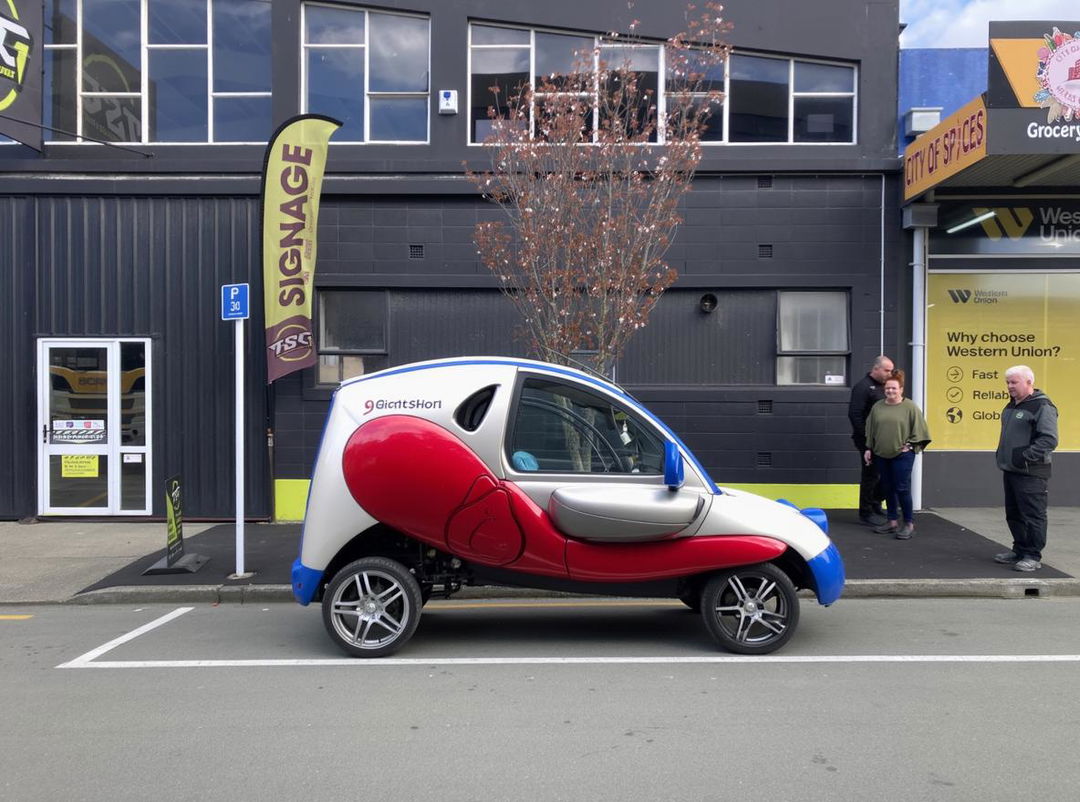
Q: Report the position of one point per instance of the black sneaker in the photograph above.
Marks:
(1007, 558)
(905, 532)
(1027, 564)
(872, 519)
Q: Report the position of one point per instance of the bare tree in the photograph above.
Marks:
(589, 168)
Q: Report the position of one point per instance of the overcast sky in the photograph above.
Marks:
(962, 23)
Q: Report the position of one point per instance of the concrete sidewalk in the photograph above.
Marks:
(53, 561)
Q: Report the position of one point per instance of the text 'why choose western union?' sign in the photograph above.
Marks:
(979, 325)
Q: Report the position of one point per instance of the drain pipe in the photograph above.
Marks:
(881, 277)
(917, 390)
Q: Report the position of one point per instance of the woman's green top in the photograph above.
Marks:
(889, 426)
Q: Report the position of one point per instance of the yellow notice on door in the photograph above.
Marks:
(79, 466)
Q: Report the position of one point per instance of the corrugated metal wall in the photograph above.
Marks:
(17, 410)
(145, 267)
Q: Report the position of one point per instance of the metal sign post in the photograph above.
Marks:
(234, 306)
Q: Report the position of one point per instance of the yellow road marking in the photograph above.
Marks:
(14, 617)
(538, 605)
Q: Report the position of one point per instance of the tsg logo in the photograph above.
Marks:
(960, 296)
(15, 44)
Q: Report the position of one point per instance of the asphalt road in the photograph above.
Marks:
(873, 699)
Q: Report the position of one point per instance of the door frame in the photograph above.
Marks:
(114, 448)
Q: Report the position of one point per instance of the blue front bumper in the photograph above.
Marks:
(828, 572)
(305, 582)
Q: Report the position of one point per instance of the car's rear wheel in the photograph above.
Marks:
(752, 609)
(372, 606)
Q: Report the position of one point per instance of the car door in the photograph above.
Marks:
(595, 463)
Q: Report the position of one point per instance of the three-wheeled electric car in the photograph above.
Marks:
(500, 471)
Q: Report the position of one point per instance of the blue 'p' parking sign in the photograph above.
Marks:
(234, 302)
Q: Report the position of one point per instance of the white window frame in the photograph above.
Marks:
(600, 43)
(792, 94)
(367, 12)
(144, 88)
(781, 352)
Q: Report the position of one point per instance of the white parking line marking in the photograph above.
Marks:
(82, 660)
(87, 661)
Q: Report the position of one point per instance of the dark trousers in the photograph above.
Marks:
(870, 492)
(1025, 512)
(896, 482)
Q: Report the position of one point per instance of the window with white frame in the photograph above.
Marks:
(369, 69)
(352, 333)
(693, 85)
(768, 99)
(503, 60)
(812, 337)
(144, 71)
(790, 101)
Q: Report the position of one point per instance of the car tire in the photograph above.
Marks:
(752, 609)
(372, 606)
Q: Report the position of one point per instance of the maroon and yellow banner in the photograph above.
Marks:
(292, 181)
(957, 142)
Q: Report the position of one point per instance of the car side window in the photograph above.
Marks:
(561, 428)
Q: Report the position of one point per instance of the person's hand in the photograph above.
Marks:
(867, 456)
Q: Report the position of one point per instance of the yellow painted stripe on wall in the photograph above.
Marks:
(290, 499)
(15, 617)
(290, 496)
(835, 497)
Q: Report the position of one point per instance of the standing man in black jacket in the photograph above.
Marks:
(1029, 432)
(868, 391)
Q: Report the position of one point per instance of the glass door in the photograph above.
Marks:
(94, 420)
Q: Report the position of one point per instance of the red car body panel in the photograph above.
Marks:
(420, 479)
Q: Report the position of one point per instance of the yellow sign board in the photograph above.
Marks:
(954, 144)
(980, 324)
(79, 466)
(1016, 58)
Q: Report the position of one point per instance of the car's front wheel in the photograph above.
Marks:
(372, 606)
(752, 609)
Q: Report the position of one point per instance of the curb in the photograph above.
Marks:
(960, 588)
(853, 589)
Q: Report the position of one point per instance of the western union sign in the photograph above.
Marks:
(979, 325)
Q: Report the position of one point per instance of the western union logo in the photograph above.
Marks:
(960, 296)
(1012, 223)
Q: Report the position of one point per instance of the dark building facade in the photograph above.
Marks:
(113, 255)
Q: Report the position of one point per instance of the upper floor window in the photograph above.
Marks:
(767, 99)
(145, 71)
(370, 70)
(503, 60)
(790, 101)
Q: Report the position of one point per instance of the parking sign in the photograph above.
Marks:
(234, 302)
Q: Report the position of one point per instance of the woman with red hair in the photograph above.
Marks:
(895, 432)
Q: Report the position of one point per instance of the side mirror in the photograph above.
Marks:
(673, 466)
